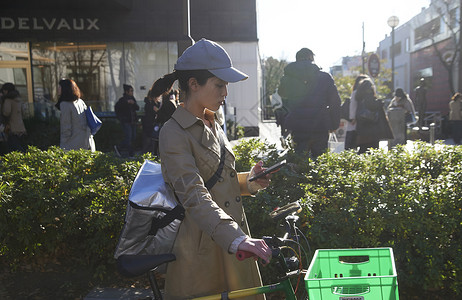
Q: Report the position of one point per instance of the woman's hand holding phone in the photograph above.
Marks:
(259, 169)
(255, 185)
(259, 177)
(264, 172)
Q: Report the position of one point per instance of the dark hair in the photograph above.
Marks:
(366, 89)
(164, 84)
(69, 91)
(127, 88)
(400, 93)
(304, 54)
(161, 86)
(165, 97)
(358, 79)
(9, 87)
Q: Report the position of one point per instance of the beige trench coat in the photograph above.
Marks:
(12, 109)
(190, 155)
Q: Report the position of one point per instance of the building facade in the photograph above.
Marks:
(107, 43)
(421, 45)
(402, 54)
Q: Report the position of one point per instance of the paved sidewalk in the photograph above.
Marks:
(119, 294)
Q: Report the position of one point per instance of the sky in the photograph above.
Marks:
(332, 29)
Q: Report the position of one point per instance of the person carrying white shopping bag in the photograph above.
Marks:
(334, 144)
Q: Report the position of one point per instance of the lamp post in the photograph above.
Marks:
(186, 40)
(393, 21)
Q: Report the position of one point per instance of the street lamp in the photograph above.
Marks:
(393, 21)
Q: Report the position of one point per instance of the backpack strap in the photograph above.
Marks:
(179, 212)
(176, 213)
(215, 177)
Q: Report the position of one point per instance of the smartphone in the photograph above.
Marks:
(271, 169)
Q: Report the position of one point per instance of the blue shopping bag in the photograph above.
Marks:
(92, 120)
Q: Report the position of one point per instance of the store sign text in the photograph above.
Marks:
(48, 23)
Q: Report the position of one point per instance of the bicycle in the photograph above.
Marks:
(289, 267)
(348, 272)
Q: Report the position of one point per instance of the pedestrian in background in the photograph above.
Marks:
(74, 131)
(455, 117)
(350, 137)
(421, 101)
(167, 108)
(14, 128)
(175, 97)
(402, 101)
(372, 124)
(313, 104)
(151, 107)
(125, 110)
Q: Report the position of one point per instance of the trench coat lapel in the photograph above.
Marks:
(208, 139)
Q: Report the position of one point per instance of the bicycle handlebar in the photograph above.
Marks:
(241, 255)
(277, 244)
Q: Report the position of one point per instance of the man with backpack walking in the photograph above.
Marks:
(313, 102)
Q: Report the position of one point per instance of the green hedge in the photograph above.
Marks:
(410, 201)
(68, 205)
(61, 205)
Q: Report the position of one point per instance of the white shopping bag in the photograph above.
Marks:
(334, 144)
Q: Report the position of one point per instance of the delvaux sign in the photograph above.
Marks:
(91, 24)
(373, 64)
(32, 23)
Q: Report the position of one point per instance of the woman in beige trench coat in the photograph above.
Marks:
(215, 226)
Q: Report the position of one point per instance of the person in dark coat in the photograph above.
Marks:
(313, 102)
(455, 117)
(160, 110)
(167, 108)
(125, 110)
(151, 107)
(421, 101)
(372, 124)
(350, 137)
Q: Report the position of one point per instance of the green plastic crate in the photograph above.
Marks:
(352, 274)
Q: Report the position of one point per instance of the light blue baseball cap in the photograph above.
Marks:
(208, 55)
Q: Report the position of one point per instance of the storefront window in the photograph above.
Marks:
(14, 64)
(99, 69)
(14, 52)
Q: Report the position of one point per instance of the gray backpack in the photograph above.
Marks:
(153, 215)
